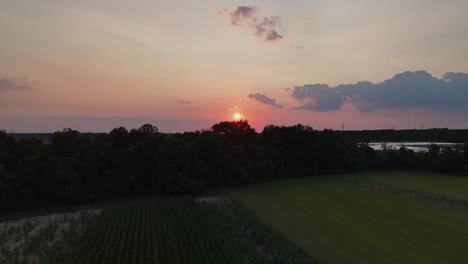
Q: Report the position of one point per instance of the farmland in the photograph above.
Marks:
(451, 186)
(184, 230)
(44, 239)
(324, 219)
(338, 221)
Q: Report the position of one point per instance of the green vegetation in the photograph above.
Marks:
(338, 221)
(74, 167)
(332, 219)
(409, 135)
(184, 230)
(373, 217)
(450, 186)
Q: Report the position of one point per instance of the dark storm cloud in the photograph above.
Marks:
(183, 102)
(12, 84)
(407, 90)
(261, 98)
(246, 16)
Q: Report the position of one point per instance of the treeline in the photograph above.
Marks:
(76, 167)
(382, 135)
(408, 135)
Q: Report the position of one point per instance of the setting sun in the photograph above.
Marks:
(237, 116)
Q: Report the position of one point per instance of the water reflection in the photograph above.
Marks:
(415, 146)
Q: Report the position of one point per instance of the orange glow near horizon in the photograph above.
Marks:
(237, 116)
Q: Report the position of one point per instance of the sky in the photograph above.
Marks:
(186, 65)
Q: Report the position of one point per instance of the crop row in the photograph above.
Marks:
(185, 230)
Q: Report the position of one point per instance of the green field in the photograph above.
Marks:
(326, 219)
(337, 221)
(184, 230)
(451, 186)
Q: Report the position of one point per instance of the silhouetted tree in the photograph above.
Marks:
(78, 167)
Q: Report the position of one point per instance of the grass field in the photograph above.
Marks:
(185, 230)
(451, 186)
(337, 221)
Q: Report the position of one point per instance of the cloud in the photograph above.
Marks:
(261, 98)
(273, 35)
(247, 17)
(223, 11)
(296, 47)
(317, 97)
(12, 84)
(407, 90)
(121, 38)
(243, 15)
(183, 102)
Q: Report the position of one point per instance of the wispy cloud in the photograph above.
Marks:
(183, 102)
(7, 84)
(262, 27)
(407, 90)
(263, 99)
(120, 37)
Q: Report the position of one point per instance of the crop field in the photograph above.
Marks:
(185, 230)
(373, 217)
(338, 221)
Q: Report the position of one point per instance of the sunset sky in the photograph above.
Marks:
(185, 65)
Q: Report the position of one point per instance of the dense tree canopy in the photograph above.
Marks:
(74, 167)
(408, 135)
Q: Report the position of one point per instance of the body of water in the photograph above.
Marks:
(415, 146)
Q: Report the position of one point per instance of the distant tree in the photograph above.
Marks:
(119, 137)
(69, 142)
(449, 160)
(7, 143)
(233, 129)
(180, 170)
(146, 132)
(465, 151)
(79, 167)
(148, 129)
